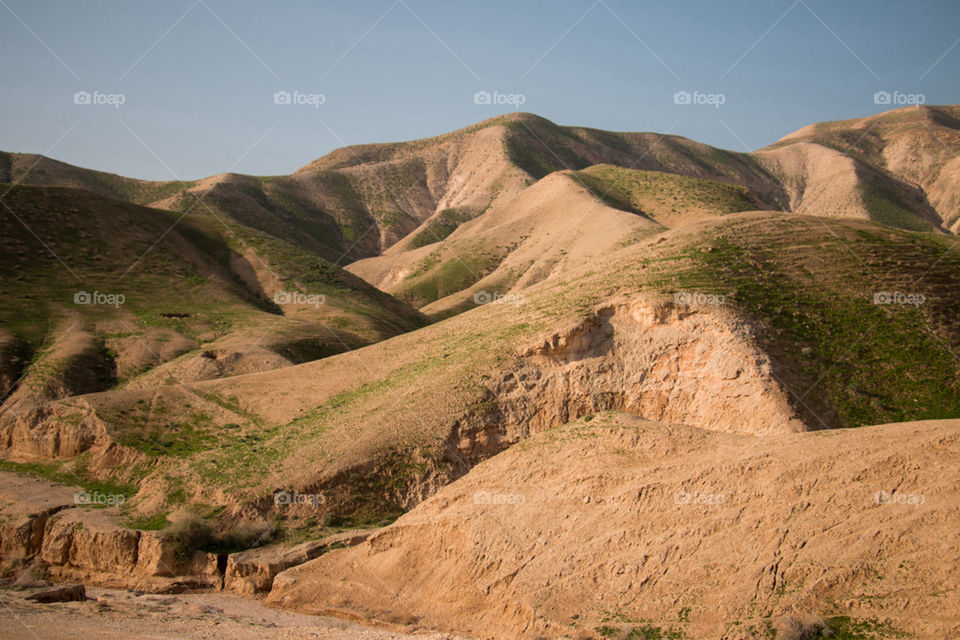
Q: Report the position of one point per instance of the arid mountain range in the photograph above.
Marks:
(518, 380)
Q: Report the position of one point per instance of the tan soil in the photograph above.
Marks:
(112, 614)
(598, 531)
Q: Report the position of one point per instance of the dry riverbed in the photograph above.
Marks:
(110, 614)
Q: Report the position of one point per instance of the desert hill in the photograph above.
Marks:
(826, 170)
(617, 527)
(618, 316)
(906, 159)
(123, 295)
(359, 201)
(732, 324)
(383, 203)
(559, 223)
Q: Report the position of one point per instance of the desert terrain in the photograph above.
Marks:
(519, 380)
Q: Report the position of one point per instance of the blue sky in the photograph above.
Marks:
(197, 78)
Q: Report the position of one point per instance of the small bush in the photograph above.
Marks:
(189, 532)
(804, 627)
(246, 534)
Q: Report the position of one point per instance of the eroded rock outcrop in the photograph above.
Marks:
(90, 547)
(252, 572)
(72, 543)
(690, 364)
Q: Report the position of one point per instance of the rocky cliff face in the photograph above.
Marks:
(651, 358)
(43, 531)
(44, 526)
(90, 547)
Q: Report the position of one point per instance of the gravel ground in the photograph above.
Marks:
(114, 614)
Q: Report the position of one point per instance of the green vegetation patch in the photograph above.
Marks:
(153, 522)
(845, 360)
(653, 192)
(845, 628)
(886, 206)
(190, 434)
(441, 226)
(73, 473)
(455, 274)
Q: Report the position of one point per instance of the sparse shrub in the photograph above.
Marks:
(153, 522)
(246, 534)
(187, 533)
(333, 519)
(651, 632)
(845, 628)
(800, 627)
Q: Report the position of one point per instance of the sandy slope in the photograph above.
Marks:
(897, 168)
(543, 232)
(820, 180)
(626, 520)
(916, 146)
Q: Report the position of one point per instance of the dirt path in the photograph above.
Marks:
(115, 614)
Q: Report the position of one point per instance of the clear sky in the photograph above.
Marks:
(197, 78)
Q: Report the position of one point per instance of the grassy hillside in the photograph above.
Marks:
(910, 153)
(663, 195)
(161, 286)
(28, 168)
(834, 348)
(376, 429)
(539, 147)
